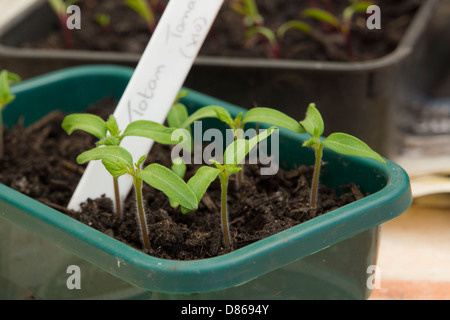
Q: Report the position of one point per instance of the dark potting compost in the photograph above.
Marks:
(128, 32)
(40, 162)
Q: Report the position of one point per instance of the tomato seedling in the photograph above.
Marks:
(233, 156)
(340, 142)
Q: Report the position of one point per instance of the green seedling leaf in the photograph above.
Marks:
(223, 115)
(109, 141)
(312, 121)
(200, 182)
(217, 164)
(177, 115)
(104, 20)
(209, 112)
(165, 180)
(179, 167)
(352, 146)
(293, 24)
(205, 112)
(356, 7)
(361, 6)
(183, 93)
(143, 9)
(141, 161)
(6, 79)
(238, 150)
(323, 16)
(152, 130)
(109, 153)
(10, 77)
(116, 160)
(58, 6)
(112, 127)
(274, 117)
(86, 122)
(263, 31)
(249, 10)
(116, 168)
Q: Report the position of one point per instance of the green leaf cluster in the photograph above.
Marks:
(108, 131)
(340, 142)
(6, 97)
(144, 9)
(262, 115)
(249, 10)
(187, 195)
(343, 25)
(60, 6)
(6, 80)
(254, 23)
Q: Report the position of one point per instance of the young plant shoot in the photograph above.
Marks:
(60, 9)
(342, 26)
(109, 134)
(249, 11)
(6, 79)
(340, 142)
(144, 9)
(255, 115)
(233, 156)
(104, 21)
(254, 25)
(119, 161)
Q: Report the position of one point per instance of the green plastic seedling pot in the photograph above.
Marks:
(328, 257)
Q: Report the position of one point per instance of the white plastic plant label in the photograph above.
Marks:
(153, 86)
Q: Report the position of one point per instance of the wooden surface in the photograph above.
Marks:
(414, 256)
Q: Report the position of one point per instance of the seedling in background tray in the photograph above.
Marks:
(344, 25)
(6, 79)
(254, 24)
(234, 155)
(104, 21)
(249, 10)
(340, 142)
(145, 10)
(60, 9)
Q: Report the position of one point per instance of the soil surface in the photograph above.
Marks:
(127, 32)
(40, 162)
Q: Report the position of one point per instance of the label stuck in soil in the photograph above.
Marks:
(153, 86)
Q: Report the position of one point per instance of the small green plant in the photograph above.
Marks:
(145, 10)
(342, 25)
(104, 21)
(119, 161)
(60, 9)
(254, 24)
(254, 115)
(109, 134)
(340, 142)
(178, 114)
(233, 156)
(6, 79)
(249, 11)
